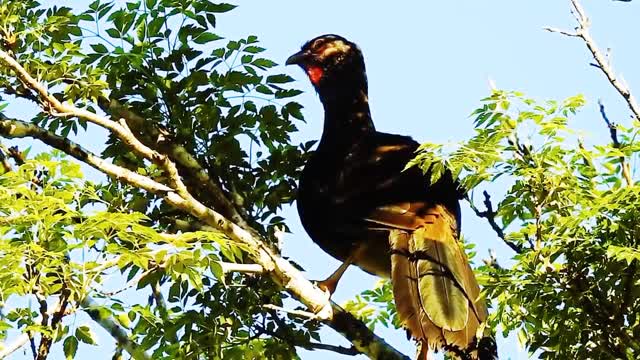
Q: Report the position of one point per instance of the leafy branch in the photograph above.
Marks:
(604, 64)
(176, 194)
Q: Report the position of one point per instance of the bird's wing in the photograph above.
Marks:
(436, 294)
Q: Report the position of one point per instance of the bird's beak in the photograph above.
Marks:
(298, 58)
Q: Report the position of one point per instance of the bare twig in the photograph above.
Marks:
(227, 267)
(161, 305)
(131, 283)
(296, 342)
(14, 346)
(560, 31)
(16, 155)
(352, 351)
(613, 132)
(492, 261)
(582, 31)
(490, 215)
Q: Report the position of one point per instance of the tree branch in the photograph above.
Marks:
(155, 138)
(161, 305)
(4, 158)
(45, 341)
(335, 348)
(308, 345)
(58, 313)
(159, 139)
(55, 107)
(281, 271)
(21, 340)
(228, 267)
(582, 31)
(613, 132)
(16, 155)
(298, 313)
(12, 128)
(114, 329)
(16, 345)
(490, 215)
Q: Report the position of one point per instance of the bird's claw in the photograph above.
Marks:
(328, 286)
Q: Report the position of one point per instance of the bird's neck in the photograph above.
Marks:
(346, 118)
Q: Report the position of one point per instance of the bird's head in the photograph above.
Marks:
(334, 65)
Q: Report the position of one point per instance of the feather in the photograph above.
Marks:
(436, 293)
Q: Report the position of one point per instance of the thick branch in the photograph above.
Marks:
(158, 139)
(228, 267)
(57, 108)
(281, 271)
(12, 128)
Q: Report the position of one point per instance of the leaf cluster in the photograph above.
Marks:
(572, 289)
(217, 100)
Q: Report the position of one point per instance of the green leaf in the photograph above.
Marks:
(263, 63)
(86, 335)
(279, 79)
(114, 33)
(220, 8)
(253, 49)
(70, 347)
(206, 37)
(99, 48)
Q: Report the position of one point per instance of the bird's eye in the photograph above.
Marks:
(318, 44)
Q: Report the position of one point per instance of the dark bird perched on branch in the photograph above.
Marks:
(358, 204)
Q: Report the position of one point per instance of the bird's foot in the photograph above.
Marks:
(328, 285)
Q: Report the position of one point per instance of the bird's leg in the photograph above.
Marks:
(329, 284)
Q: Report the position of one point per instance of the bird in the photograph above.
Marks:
(357, 202)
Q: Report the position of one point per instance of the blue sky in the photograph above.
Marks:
(428, 65)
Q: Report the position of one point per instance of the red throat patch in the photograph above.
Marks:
(315, 74)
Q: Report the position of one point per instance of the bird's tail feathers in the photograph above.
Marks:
(435, 290)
